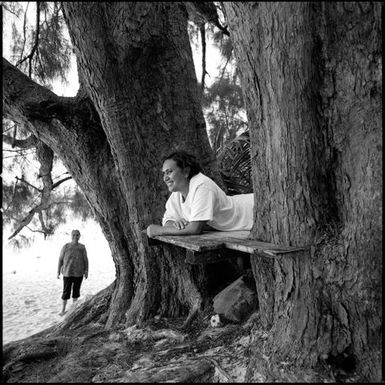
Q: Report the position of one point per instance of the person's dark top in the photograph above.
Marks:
(73, 261)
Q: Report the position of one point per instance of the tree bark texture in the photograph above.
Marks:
(138, 101)
(311, 75)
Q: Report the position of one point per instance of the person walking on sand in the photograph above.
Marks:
(73, 264)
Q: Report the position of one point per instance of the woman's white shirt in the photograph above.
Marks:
(206, 201)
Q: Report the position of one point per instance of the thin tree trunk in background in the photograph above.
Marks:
(312, 87)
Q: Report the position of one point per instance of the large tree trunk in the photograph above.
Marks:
(311, 74)
(139, 100)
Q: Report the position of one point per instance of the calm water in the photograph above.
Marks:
(31, 290)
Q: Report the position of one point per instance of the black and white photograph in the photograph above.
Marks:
(192, 192)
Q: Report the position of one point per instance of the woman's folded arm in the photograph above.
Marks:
(191, 228)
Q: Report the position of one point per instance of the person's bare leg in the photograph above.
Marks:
(74, 300)
(63, 311)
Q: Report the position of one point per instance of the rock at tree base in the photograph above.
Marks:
(236, 301)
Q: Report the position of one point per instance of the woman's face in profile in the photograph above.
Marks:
(174, 176)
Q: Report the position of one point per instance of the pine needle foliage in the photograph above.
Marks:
(39, 47)
(15, 201)
(223, 103)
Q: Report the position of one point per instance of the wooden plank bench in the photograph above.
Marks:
(200, 248)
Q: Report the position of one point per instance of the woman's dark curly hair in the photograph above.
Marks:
(183, 159)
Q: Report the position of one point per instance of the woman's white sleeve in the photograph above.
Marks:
(203, 205)
(171, 213)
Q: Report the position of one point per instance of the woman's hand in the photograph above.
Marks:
(180, 224)
(170, 228)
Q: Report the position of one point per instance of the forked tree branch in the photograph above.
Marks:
(45, 157)
(28, 184)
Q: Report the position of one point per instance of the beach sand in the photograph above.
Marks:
(31, 291)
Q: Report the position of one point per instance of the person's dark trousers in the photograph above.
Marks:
(73, 283)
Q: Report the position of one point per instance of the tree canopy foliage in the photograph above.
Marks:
(40, 49)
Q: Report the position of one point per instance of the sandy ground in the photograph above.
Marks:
(31, 290)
